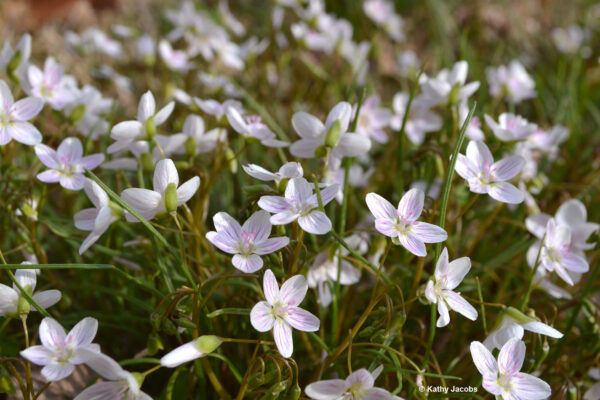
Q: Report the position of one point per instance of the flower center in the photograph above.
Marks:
(504, 381)
(356, 390)
(402, 227)
(278, 310)
(5, 118)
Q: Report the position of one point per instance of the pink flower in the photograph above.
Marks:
(247, 242)
(67, 164)
(300, 204)
(14, 117)
(281, 312)
(486, 176)
(51, 85)
(401, 224)
(359, 385)
(502, 377)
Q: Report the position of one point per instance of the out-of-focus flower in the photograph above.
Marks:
(191, 351)
(316, 137)
(176, 60)
(198, 140)
(408, 63)
(511, 127)
(58, 352)
(252, 127)
(96, 219)
(513, 324)
(401, 224)
(14, 62)
(247, 242)
(359, 385)
(145, 48)
(502, 378)
(88, 109)
(119, 384)
(448, 86)
(12, 304)
(288, 170)
(548, 141)
(512, 82)
(125, 133)
(324, 272)
(230, 20)
(473, 131)
(216, 109)
(372, 119)
(300, 204)
(569, 40)
(14, 117)
(486, 176)
(51, 85)
(440, 290)
(66, 164)
(382, 13)
(420, 120)
(280, 311)
(94, 40)
(166, 196)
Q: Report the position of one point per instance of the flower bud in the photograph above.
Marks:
(147, 162)
(29, 211)
(171, 198)
(77, 113)
(333, 134)
(518, 316)
(154, 344)
(321, 151)
(23, 306)
(295, 392)
(150, 127)
(208, 343)
(190, 146)
(454, 95)
(185, 323)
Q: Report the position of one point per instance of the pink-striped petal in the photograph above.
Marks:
(39, 355)
(360, 378)
(247, 264)
(223, 242)
(27, 108)
(261, 318)
(298, 191)
(52, 334)
(460, 305)
(511, 357)
(92, 161)
(293, 290)
(70, 150)
(165, 173)
(283, 218)
(258, 226)
(413, 244)
(428, 233)
(331, 389)
(316, 223)
(282, 333)
(484, 360)
(507, 168)
(274, 204)
(411, 204)
(270, 287)
(506, 193)
(387, 227)
(56, 372)
(271, 245)
(380, 207)
(465, 168)
(84, 332)
(72, 182)
(526, 386)
(302, 320)
(227, 226)
(49, 176)
(24, 132)
(479, 154)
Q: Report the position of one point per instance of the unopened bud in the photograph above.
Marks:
(321, 151)
(171, 197)
(154, 344)
(208, 343)
(518, 316)
(23, 306)
(150, 127)
(333, 134)
(77, 113)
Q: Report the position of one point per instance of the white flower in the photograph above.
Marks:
(569, 40)
(359, 385)
(22, 53)
(190, 351)
(119, 384)
(166, 196)
(198, 140)
(300, 204)
(324, 272)
(125, 133)
(96, 219)
(252, 127)
(51, 85)
(314, 133)
(503, 377)
(449, 86)
(14, 117)
(67, 164)
(513, 324)
(440, 289)
(94, 106)
(486, 176)
(382, 13)
(247, 242)
(511, 127)
(280, 311)
(512, 82)
(176, 60)
(58, 352)
(10, 297)
(216, 109)
(421, 119)
(288, 170)
(473, 131)
(372, 119)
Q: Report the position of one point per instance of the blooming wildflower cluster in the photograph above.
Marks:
(193, 235)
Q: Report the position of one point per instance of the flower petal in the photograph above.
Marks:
(528, 386)
(511, 357)
(52, 334)
(352, 145)
(413, 244)
(483, 359)
(342, 112)
(141, 200)
(271, 245)
(24, 132)
(165, 173)
(258, 226)
(274, 204)
(270, 287)
(380, 207)
(39, 355)
(542, 329)
(187, 190)
(92, 161)
(460, 305)
(293, 290)
(47, 298)
(56, 372)
(181, 355)
(261, 317)
(316, 223)
(146, 107)
(428, 233)
(49, 176)
(506, 193)
(298, 191)
(282, 333)
(330, 389)
(507, 168)
(223, 242)
(164, 113)
(307, 125)
(411, 204)
(301, 319)
(84, 332)
(247, 264)
(70, 150)
(360, 378)
(465, 168)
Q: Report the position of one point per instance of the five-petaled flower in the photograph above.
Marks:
(280, 311)
(58, 352)
(66, 164)
(486, 176)
(300, 204)
(14, 117)
(247, 242)
(13, 304)
(401, 224)
(503, 377)
(166, 196)
(440, 289)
